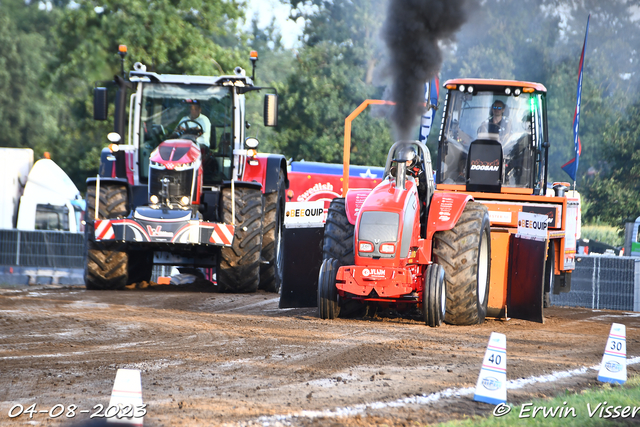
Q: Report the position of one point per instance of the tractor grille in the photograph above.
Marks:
(180, 183)
(377, 228)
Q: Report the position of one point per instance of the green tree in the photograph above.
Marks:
(26, 111)
(615, 188)
(541, 41)
(332, 75)
(272, 68)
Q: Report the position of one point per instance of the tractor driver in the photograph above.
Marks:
(195, 115)
(497, 122)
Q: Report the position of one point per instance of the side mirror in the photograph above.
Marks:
(271, 110)
(100, 108)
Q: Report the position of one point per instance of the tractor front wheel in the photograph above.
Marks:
(107, 263)
(465, 254)
(434, 297)
(328, 307)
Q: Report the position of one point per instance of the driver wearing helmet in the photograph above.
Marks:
(187, 122)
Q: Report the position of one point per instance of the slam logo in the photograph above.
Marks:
(613, 366)
(373, 272)
(479, 165)
(491, 383)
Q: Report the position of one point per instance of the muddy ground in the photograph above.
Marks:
(225, 359)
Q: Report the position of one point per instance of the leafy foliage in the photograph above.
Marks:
(616, 187)
(50, 59)
(329, 79)
(26, 112)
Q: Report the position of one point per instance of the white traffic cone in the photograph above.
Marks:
(492, 382)
(613, 368)
(127, 396)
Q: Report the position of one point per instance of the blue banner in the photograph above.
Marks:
(571, 167)
(431, 91)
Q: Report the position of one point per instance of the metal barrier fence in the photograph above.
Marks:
(55, 249)
(603, 282)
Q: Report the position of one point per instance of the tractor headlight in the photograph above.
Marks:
(184, 201)
(251, 142)
(387, 248)
(154, 199)
(365, 247)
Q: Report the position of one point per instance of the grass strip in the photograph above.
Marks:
(605, 405)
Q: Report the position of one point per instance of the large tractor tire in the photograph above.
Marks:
(107, 263)
(271, 271)
(328, 307)
(465, 254)
(434, 296)
(239, 265)
(338, 234)
(338, 244)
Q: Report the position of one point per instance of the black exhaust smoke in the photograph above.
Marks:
(412, 32)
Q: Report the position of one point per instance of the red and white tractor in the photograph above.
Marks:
(182, 188)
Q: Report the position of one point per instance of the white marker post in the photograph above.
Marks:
(492, 382)
(127, 395)
(613, 368)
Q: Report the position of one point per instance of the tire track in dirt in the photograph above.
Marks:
(217, 359)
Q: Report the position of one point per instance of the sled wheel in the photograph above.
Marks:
(328, 307)
(465, 254)
(434, 297)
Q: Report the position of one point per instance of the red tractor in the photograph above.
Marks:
(185, 185)
(401, 227)
(491, 239)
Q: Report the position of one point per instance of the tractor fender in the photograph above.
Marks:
(137, 195)
(243, 184)
(354, 200)
(106, 181)
(445, 210)
(265, 169)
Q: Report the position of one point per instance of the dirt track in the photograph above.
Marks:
(212, 359)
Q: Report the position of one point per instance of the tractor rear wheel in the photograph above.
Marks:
(465, 254)
(107, 263)
(434, 297)
(339, 244)
(239, 265)
(338, 234)
(271, 272)
(328, 307)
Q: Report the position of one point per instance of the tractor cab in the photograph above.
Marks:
(492, 137)
(200, 114)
